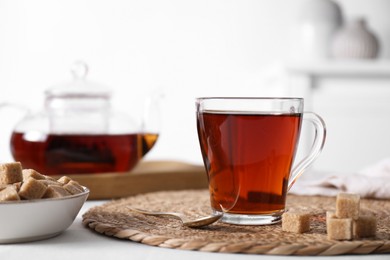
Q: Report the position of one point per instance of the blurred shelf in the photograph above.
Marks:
(352, 68)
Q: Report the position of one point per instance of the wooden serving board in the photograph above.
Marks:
(148, 176)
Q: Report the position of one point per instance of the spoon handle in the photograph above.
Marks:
(157, 213)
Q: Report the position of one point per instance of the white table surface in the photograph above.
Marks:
(79, 242)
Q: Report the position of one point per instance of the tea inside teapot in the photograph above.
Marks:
(80, 153)
(78, 132)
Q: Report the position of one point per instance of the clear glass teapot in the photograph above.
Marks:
(78, 133)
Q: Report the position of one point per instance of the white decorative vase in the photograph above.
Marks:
(313, 30)
(355, 41)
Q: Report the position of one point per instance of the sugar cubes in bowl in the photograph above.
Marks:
(34, 206)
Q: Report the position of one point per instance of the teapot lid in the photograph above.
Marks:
(79, 86)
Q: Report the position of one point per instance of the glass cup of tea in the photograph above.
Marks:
(248, 147)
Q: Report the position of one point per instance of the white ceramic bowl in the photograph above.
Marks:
(30, 220)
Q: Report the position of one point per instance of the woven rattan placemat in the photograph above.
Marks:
(113, 219)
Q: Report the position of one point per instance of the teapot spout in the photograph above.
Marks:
(151, 120)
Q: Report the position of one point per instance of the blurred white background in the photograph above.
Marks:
(184, 48)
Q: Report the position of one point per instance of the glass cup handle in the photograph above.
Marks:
(317, 146)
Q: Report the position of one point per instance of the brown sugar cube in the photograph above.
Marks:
(75, 183)
(64, 180)
(73, 187)
(11, 173)
(297, 222)
(364, 226)
(339, 228)
(347, 205)
(50, 178)
(9, 194)
(330, 215)
(32, 189)
(50, 182)
(55, 191)
(17, 186)
(27, 173)
(3, 186)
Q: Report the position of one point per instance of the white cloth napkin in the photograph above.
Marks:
(371, 182)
